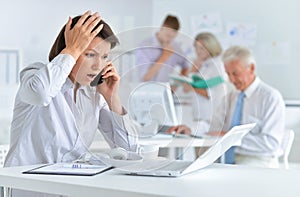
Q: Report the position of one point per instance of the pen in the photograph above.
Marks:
(174, 134)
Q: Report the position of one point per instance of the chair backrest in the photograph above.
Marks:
(286, 144)
(3, 152)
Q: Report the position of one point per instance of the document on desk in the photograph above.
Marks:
(79, 169)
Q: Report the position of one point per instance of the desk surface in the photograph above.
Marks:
(165, 141)
(215, 180)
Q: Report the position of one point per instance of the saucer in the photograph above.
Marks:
(133, 158)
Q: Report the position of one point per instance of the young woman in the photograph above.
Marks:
(208, 66)
(57, 112)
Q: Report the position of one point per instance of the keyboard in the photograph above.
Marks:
(152, 165)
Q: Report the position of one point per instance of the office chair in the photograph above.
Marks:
(286, 145)
(3, 151)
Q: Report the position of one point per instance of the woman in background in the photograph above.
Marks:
(57, 112)
(207, 66)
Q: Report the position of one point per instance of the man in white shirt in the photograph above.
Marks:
(262, 104)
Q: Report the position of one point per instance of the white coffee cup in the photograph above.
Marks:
(148, 151)
(118, 153)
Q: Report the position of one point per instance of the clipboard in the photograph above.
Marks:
(77, 169)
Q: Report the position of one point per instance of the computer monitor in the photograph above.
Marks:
(151, 105)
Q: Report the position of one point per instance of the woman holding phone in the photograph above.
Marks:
(57, 112)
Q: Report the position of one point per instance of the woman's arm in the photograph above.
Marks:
(202, 92)
(39, 83)
(118, 131)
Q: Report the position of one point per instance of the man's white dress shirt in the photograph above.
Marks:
(263, 105)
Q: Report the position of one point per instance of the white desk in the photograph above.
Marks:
(165, 141)
(216, 180)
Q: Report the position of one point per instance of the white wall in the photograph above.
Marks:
(277, 21)
(33, 25)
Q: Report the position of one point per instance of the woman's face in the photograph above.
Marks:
(202, 53)
(91, 62)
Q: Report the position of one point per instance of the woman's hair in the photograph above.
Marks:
(106, 34)
(210, 43)
(239, 53)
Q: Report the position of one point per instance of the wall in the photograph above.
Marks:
(33, 25)
(276, 22)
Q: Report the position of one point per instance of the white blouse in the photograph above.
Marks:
(203, 107)
(49, 127)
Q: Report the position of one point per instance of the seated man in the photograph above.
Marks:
(252, 101)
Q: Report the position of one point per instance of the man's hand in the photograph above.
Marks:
(180, 129)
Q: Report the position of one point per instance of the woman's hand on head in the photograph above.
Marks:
(79, 37)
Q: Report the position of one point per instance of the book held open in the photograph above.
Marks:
(198, 82)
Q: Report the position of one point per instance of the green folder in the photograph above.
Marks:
(198, 82)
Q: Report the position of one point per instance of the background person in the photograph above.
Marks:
(262, 104)
(157, 57)
(207, 65)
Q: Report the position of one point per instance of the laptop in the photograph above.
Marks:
(175, 168)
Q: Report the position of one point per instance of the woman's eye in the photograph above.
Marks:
(106, 57)
(90, 55)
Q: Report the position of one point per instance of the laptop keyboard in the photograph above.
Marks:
(175, 166)
(150, 165)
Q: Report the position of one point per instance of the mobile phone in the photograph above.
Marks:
(98, 80)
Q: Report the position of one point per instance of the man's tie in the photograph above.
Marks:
(236, 120)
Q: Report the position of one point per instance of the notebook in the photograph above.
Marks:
(175, 168)
(79, 169)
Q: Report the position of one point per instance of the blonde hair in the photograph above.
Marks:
(210, 43)
(239, 53)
